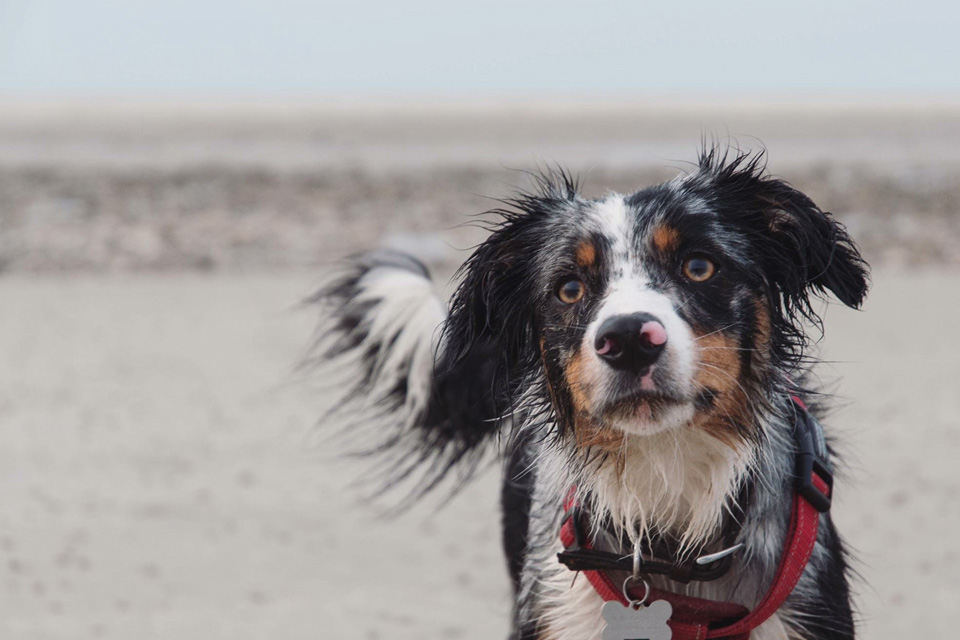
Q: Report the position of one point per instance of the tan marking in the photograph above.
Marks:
(588, 433)
(761, 357)
(720, 360)
(763, 322)
(573, 373)
(586, 254)
(591, 435)
(719, 370)
(666, 239)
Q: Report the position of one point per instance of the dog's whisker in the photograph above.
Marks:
(720, 330)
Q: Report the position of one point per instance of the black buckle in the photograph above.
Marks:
(809, 462)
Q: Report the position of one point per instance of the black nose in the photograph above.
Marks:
(631, 342)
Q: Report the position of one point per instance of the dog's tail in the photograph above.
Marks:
(420, 413)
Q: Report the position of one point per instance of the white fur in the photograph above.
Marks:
(629, 292)
(407, 317)
(613, 221)
(678, 481)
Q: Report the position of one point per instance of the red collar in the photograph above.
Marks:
(698, 619)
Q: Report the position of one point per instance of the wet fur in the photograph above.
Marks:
(506, 359)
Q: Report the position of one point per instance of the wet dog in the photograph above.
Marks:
(639, 355)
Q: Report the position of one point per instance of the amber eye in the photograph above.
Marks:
(699, 268)
(571, 291)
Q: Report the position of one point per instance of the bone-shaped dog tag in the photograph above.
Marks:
(645, 623)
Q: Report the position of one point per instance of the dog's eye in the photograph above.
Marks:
(571, 291)
(699, 268)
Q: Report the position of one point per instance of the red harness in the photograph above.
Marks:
(698, 619)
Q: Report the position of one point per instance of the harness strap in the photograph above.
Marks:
(700, 619)
(800, 541)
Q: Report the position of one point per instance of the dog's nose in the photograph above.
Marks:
(631, 342)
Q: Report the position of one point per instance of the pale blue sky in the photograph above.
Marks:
(495, 46)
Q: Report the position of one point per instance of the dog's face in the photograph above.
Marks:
(650, 313)
(669, 308)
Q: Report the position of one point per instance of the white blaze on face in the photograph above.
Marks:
(628, 292)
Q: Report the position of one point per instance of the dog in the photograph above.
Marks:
(642, 364)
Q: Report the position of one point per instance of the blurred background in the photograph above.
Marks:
(175, 176)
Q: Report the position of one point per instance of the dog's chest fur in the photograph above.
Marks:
(670, 482)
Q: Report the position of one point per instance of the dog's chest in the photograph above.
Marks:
(566, 606)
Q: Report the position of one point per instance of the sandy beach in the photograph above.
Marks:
(162, 472)
(121, 186)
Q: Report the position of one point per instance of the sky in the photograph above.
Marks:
(239, 47)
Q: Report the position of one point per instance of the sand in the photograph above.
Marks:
(161, 473)
(159, 478)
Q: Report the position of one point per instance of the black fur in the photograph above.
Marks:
(449, 432)
(510, 357)
(796, 247)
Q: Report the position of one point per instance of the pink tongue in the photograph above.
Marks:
(654, 333)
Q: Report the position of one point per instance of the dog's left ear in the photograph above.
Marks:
(801, 249)
(808, 250)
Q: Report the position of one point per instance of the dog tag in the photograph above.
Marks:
(646, 623)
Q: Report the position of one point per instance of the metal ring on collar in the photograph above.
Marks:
(636, 604)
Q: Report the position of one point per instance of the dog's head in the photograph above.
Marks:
(674, 307)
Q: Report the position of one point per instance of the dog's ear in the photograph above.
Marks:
(802, 249)
(493, 308)
(809, 250)
(495, 305)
